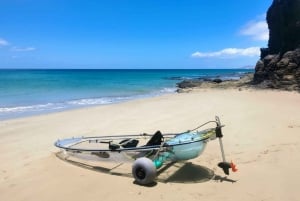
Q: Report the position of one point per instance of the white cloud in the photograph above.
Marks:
(12, 48)
(257, 29)
(25, 49)
(229, 52)
(3, 42)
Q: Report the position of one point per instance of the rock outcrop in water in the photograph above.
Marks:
(243, 82)
(279, 66)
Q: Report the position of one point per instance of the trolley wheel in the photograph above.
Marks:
(144, 171)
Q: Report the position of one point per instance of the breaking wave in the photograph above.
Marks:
(27, 110)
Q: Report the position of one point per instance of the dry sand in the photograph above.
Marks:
(262, 136)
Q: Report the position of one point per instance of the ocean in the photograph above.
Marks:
(32, 92)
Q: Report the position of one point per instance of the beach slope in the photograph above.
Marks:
(261, 136)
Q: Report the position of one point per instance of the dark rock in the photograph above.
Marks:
(279, 65)
(188, 84)
(283, 19)
(260, 73)
(289, 54)
(264, 52)
(245, 81)
(217, 80)
(259, 65)
(272, 63)
(292, 66)
(180, 90)
(283, 63)
(270, 57)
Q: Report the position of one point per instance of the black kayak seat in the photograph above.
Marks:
(129, 143)
(156, 139)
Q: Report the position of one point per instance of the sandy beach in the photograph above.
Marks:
(261, 136)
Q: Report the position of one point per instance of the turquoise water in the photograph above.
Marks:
(30, 92)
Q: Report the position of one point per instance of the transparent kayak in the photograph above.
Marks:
(148, 152)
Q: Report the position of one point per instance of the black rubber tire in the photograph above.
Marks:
(144, 171)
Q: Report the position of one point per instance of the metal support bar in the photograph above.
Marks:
(220, 137)
(222, 149)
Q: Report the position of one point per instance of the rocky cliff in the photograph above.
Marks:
(279, 65)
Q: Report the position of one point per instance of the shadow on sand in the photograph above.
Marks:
(188, 172)
(183, 172)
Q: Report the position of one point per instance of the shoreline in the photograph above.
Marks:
(228, 84)
(113, 101)
(44, 91)
(244, 83)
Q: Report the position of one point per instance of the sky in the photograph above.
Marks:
(138, 34)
